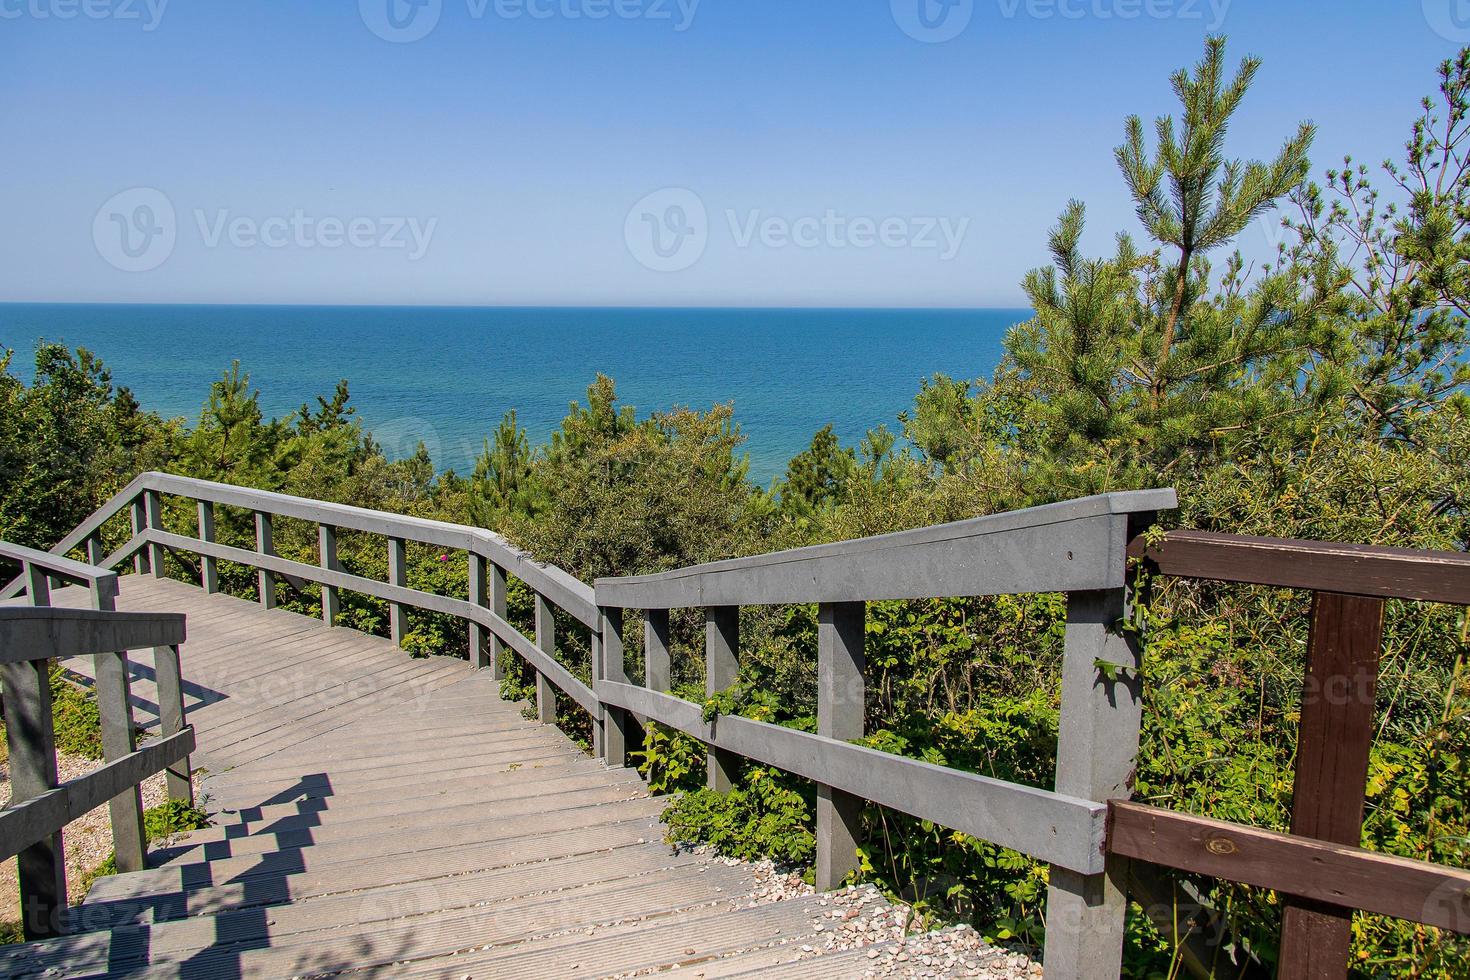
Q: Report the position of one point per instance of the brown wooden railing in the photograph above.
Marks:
(1319, 868)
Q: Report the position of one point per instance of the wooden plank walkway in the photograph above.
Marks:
(393, 817)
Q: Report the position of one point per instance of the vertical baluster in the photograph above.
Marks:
(208, 567)
(38, 584)
(139, 515)
(397, 575)
(32, 746)
(546, 642)
(1096, 752)
(656, 671)
(1336, 736)
(721, 670)
(331, 597)
(265, 544)
(498, 607)
(171, 718)
(479, 635)
(841, 701)
(617, 726)
(95, 555)
(115, 711)
(153, 512)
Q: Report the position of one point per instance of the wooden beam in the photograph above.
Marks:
(841, 703)
(546, 643)
(208, 567)
(38, 633)
(398, 575)
(721, 671)
(657, 673)
(1077, 545)
(1097, 750)
(1350, 569)
(1335, 738)
(265, 544)
(1052, 827)
(170, 684)
(31, 742)
(327, 552)
(1333, 874)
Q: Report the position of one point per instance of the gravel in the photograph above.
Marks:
(858, 917)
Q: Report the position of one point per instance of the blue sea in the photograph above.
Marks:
(445, 376)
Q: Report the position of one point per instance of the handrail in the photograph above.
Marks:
(28, 634)
(568, 593)
(1073, 546)
(102, 580)
(1355, 569)
(489, 553)
(30, 638)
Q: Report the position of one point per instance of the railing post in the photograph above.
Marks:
(656, 673)
(32, 746)
(721, 670)
(95, 554)
(139, 516)
(171, 718)
(498, 607)
(208, 567)
(153, 512)
(546, 642)
(1336, 736)
(265, 544)
(616, 725)
(1096, 753)
(397, 575)
(479, 636)
(115, 712)
(841, 701)
(331, 597)
(38, 585)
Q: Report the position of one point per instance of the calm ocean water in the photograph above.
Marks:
(446, 375)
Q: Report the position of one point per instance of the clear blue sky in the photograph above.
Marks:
(519, 147)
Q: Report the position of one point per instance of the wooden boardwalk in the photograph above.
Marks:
(392, 816)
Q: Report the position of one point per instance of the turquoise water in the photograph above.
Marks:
(446, 375)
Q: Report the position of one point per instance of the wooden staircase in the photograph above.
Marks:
(388, 816)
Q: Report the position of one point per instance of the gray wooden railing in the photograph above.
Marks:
(491, 561)
(1078, 548)
(30, 638)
